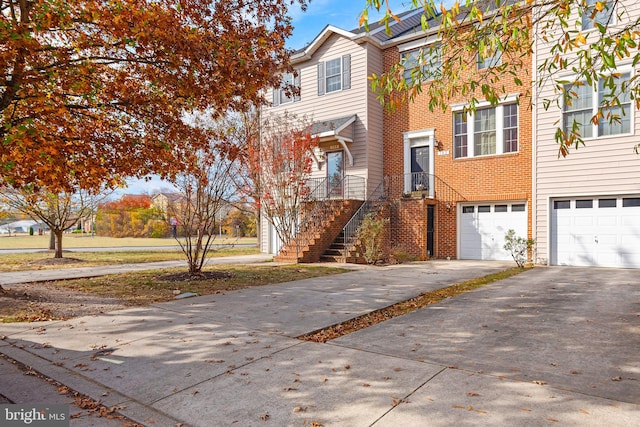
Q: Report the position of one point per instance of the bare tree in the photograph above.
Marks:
(58, 211)
(240, 131)
(205, 194)
(283, 162)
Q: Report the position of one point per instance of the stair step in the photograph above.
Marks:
(329, 258)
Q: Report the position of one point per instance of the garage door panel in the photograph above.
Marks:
(482, 233)
(607, 235)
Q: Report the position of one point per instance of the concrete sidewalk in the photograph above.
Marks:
(549, 345)
(13, 277)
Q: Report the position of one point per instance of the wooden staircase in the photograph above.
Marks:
(317, 234)
(336, 252)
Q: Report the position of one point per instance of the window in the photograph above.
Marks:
(484, 209)
(517, 208)
(290, 83)
(500, 208)
(615, 119)
(491, 60)
(459, 135)
(607, 203)
(562, 204)
(584, 104)
(468, 209)
(485, 132)
(604, 17)
(334, 75)
(422, 64)
(491, 130)
(631, 202)
(510, 129)
(584, 204)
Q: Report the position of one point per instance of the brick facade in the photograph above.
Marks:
(487, 178)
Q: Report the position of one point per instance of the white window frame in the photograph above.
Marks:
(430, 70)
(344, 74)
(608, 17)
(287, 79)
(490, 61)
(327, 76)
(595, 104)
(499, 127)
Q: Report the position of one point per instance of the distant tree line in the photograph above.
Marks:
(131, 216)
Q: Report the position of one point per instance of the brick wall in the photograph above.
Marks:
(487, 178)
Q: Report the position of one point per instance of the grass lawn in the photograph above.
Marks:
(36, 260)
(46, 301)
(70, 240)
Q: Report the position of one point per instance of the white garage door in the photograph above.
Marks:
(483, 227)
(598, 231)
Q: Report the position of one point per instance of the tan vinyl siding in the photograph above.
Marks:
(375, 121)
(605, 166)
(366, 147)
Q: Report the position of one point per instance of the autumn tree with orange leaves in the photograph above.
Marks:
(94, 91)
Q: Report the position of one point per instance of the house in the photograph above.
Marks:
(332, 76)
(460, 180)
(587, 205)
(166, 202)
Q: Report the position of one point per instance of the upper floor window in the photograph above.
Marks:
(490, 60)
(612, 99)
(289, 90)
(491, 130)
(423, 63)
(597, 12)
(334, 75)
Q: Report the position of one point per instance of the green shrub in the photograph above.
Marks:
(371, 237)
(518, 247)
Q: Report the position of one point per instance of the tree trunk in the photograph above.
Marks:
(58, 244)
(52, 240)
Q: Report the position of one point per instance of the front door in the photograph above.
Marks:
(335, 173)
(419, 168)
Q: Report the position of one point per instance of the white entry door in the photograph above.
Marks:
(597, 231)
(484, 225)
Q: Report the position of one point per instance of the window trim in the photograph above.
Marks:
(423, 50)
(612, 18)
(595, 104)
(279, 94)
(458, 109)
(344, 62)
(494, 60)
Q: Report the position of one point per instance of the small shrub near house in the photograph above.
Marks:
(371, 237)
(518, 247)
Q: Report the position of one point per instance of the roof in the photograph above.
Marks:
(332, 126)
(375, 34)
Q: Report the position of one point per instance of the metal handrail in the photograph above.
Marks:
(323, 192)
(370, 204)
(429, 185)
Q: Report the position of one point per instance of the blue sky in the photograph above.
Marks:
(343, 14)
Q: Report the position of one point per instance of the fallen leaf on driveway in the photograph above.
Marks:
(540, 382)
(584, 411)
(264, 417)
(616, 379)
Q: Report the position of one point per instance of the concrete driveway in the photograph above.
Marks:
(551, 345)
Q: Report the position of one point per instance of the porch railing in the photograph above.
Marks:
(323, 192)
(425, 184)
